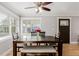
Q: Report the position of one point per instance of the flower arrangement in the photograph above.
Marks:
(37, 30)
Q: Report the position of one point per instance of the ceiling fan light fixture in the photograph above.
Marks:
(40, 6)
(36, 10)
(40, 9)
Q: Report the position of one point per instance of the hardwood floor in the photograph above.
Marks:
(71, 50)
(68, 50)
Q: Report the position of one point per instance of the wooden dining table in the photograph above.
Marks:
(46, 39)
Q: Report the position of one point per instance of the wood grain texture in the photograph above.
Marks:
(71, 50)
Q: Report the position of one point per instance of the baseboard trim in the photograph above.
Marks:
(74, 43)
(8, 51)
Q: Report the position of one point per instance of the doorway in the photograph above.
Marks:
(64, 30)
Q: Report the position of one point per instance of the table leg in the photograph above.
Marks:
(60, 48)
(14, 48)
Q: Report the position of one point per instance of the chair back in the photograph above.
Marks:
(15, 36)
(42, 34)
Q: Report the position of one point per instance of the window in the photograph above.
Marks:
(29, 25)
(13, 25)
(7, 25)
(4, 25)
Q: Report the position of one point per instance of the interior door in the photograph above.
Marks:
(64, 30)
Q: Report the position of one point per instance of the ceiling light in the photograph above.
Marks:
(40, 9)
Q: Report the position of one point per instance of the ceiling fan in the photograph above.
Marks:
(40, 6)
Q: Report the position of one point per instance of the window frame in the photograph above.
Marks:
(10, 26)
(22, 19)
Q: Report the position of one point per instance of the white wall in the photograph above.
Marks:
(75, 29)
(50, 23)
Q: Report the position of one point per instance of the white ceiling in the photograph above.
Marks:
(57, 8)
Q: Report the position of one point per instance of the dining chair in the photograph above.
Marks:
(15, 36)
(41, 34)
(54, 45)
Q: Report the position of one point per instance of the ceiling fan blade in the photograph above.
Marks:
(46, 3)
(47, 9)
(30, 7)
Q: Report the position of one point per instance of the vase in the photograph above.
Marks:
(37, 35)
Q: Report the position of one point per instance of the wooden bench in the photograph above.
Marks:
(40, 50)
(19, 45)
